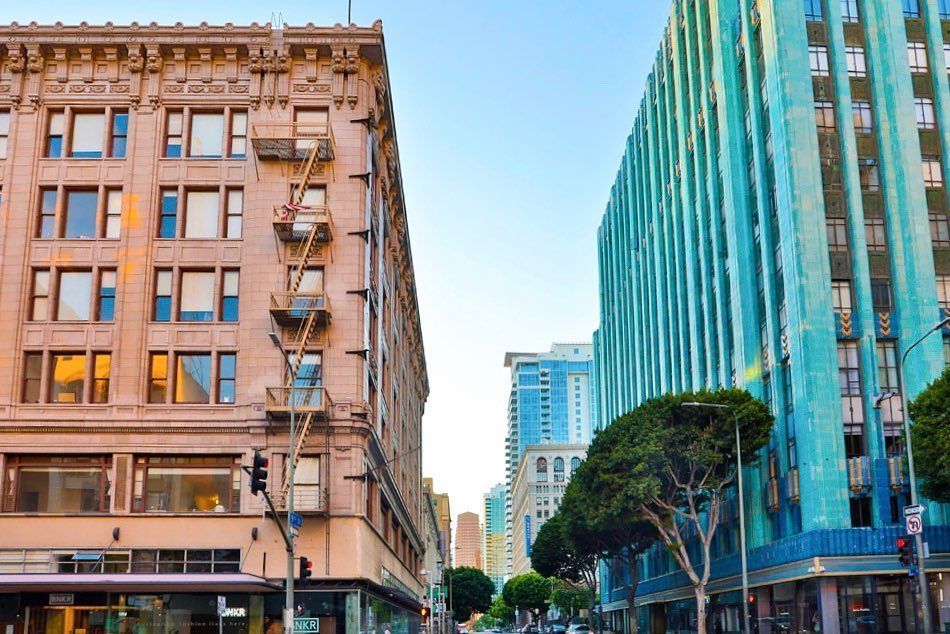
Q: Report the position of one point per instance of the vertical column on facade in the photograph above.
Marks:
(812, 350)
(735, 185)
(659, 305)
(625, 344)
(937, 61)
(904, 196)
(689, 288)
(618, 300)
(711, 142)
(635, 340)
(644, 256)
(700, 208)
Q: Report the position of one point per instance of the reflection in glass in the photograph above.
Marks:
(88, 132)
(81, 214)
(193, 381)
(68, 374)
(75, 288)
(58, 490)
(188, 489)
(197, 296)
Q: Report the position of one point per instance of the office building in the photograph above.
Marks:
(779, 222)
(468, 541)
(493, 536)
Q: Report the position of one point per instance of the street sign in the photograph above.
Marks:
(306, 625)
(914, 525)
(222, 604)
(916, 509)
(295, 520)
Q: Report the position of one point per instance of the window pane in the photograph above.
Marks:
(68, 378)
(102, 371)
(169, 217)
(188, 489)
(32, 371)
(193, 380)
(113, 213)
(314, 196)
(40, 296)
(197, 296)
(158, 380)
(81, 214)
(75, 291)
(201, 215)
(58, 490)
(231, 280)
(88, 133)
(207, 135)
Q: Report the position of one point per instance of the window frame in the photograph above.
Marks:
(232, 133)
(167, 381)
(11, 502)
(917, 58)
(140, 479)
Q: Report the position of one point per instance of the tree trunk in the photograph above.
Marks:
(631, 596)
(700, 609)
(590, 612)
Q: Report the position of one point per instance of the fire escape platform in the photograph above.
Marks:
(292, 141)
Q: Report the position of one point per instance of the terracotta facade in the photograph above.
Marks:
(180, 87)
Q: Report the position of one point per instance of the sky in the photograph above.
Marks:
(512, 117)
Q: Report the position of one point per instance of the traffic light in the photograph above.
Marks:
(259, 474)
(425, 614)
(905, 551)
(306, 569)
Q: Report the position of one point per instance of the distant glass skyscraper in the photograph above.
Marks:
(493, 536)
(553, 400)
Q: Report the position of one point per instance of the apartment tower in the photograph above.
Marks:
(779, 222)
(493, 536)
(204, 233)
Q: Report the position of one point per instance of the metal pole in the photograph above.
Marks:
(742, 551)
(924, 587)
(289, 605)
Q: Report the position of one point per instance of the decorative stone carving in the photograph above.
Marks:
(136, 62)
(35, 63)
(154, 62)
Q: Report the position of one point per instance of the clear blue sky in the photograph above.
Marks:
(512, 116)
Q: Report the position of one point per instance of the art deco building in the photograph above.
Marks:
(779, 222)
(171, 196)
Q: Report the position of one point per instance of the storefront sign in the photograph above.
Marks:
(306, 625)
(234, 612)
(62, 599)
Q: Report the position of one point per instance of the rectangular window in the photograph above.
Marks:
(66, 484)
(825, 116)
(881, 295)
(926, 119)
(158, 378)
(837, 234)
(917, 57)
(49, 200)
(173, 134)
(67, 377)
(88, 135)
(168, 224)
(197, 296)
(855, 61)
(943, 8)
(162, 310)
(75, 291)
(229, 296)
(4, 132)
(227, 369)
(207, 135)
(119, 134)
(933, 174)
(841, 296)
(818, 60)
(875, 232)
(193, 378)
(106, 308)
(813, 12)
(852, 404)
(849, 11)
(870, 174)
(201, 214)
(102, 368)
(892, 410)
(39, 307)
(81, 207)
(54, 134)
(861, 113)
(940, 229)
(187, 484)
(113, 221)
(235, 215)
(911, 8)
(238, 147)
(32, 377)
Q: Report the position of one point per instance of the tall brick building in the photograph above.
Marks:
(172, 195)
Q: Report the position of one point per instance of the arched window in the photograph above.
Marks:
(559, 469)
(542, 470)
(575, 463)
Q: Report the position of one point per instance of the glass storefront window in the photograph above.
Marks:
(57, 485)
(187, 484)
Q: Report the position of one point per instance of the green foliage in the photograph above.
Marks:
(930, 433)
(568, 599)
(501, 611)
(485, 622)
(471, 591)
(553, 555)
(529, 591)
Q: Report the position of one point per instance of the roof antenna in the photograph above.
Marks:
(349, 12)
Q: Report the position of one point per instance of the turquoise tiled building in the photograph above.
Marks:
(779, 222)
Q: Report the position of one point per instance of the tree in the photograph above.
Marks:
(602, 515)
(573, 564)
(677, 462)
(471, 591)
(930, 433)
(568, 599)
(501, 611)
(529, 591)
(485, 622)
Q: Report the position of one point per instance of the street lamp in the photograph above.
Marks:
(912, 477)
(291, 465)
(742, 547)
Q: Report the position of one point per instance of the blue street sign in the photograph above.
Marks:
(295, 520)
